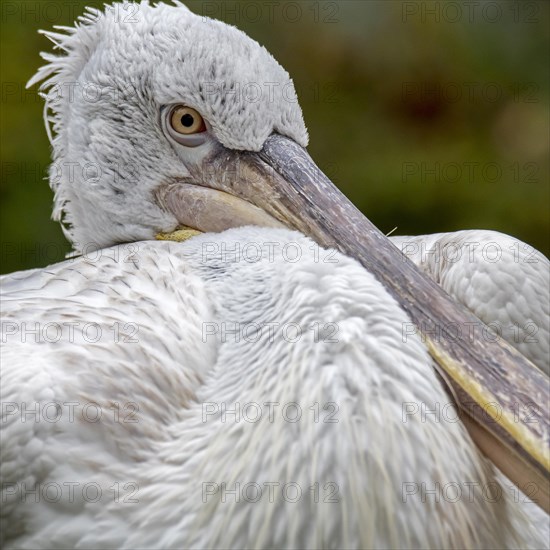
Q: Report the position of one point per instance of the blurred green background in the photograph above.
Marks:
(430, 116)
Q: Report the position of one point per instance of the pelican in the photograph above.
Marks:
(267, 381)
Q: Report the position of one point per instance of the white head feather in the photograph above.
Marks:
(119, 68)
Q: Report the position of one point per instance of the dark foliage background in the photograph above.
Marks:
(430, 116)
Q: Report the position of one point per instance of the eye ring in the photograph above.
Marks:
(186, 121)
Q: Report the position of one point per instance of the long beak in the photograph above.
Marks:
(493, 383)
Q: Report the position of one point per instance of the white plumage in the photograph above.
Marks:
(175, 371)
(169, 357)
(502, 280)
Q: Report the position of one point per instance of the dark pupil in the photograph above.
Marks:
(187, 120)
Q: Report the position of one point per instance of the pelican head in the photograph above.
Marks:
(143, 101)
(163, 118)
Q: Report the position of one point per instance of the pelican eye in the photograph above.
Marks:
(185, 120)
